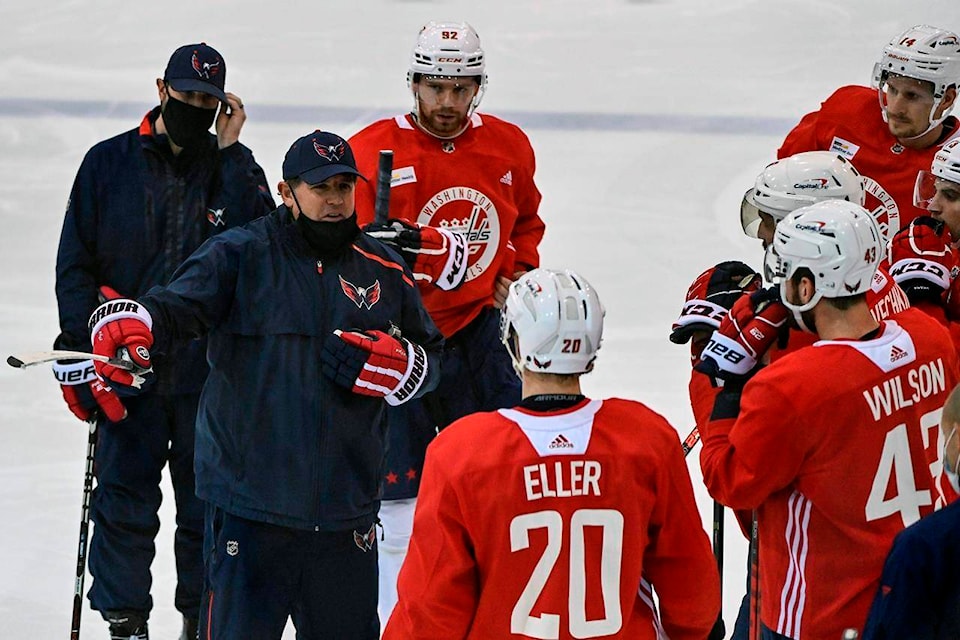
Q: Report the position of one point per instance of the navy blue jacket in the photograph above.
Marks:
(277, 441)
(135, 213)
(919, 595)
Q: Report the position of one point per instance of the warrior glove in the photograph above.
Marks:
(374, 363)
(121, 328)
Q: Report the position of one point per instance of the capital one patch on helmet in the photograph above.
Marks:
(472, 213)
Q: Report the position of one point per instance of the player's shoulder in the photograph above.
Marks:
(114, 148)
(493, 124)
(385, 127)
(842, 97)
(635, 426)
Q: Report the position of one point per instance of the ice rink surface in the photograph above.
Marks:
(649, 119)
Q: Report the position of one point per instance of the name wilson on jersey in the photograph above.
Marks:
(906, 389)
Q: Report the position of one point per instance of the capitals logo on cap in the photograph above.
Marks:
(204, 69)
(332, 152)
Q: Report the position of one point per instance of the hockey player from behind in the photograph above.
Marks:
(916, 82)
(313, 329)
(593, 503)
(857, 410)
(463, 212)
(141, 203)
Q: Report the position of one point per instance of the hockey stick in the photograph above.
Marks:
(84, 531)
(381, 208)
(24, 360)
(754, 554)
(691, 441)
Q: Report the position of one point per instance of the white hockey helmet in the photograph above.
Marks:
(924, 53)
(799, 181)
(945, 166)
(449, 49)
(838, 241)
(552, 322)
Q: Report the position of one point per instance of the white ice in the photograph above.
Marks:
(649, 119)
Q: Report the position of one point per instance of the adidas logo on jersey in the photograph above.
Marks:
(507, 178)
(896, 353)
(560, 442)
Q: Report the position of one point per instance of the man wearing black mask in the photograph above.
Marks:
(141, 203)
(314, 328)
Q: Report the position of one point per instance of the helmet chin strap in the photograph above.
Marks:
(934, 122)
(797, 310)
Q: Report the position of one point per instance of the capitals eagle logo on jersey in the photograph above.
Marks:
(361, 296)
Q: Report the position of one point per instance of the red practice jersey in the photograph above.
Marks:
(479, 183)
(554, 525)
(850, 122)
(836, 445)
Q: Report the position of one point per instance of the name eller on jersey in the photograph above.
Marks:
(565, 479)
(888, 397)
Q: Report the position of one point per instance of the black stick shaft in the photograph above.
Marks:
(84, 531)
(381, 210)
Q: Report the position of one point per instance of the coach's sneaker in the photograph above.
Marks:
(127, 625)
(191, 629)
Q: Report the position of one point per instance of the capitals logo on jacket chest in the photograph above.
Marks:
(474, 214)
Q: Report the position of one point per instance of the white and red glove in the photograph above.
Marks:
(745, 334)
(85, 393)
(433, 255)
(923, 261)
(374, 363)
(121, 328)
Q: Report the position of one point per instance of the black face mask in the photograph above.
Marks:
(327, 238)
(187, 125)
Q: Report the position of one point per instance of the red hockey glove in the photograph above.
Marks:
(708, 299)
(433, 255)
(923, 262)
(375, 364)
(85, 393)
(746, 332)
(121, 328)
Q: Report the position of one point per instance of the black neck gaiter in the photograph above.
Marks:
(187, 125)
(328, 238)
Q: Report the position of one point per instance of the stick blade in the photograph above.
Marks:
(15, 362)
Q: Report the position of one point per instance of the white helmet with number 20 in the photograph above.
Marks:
(552, 322)
(450, 49)
(838, 241)
(799, 181)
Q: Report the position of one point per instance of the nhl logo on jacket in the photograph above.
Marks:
(365, 541)
(233, 547)
(361, 296)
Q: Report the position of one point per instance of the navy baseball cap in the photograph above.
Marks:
(318, 156)
(197, 67)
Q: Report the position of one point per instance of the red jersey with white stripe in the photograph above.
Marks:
(837, 447)
(479, 183)
(850, 122)
(541, 524)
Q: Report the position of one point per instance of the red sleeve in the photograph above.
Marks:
(529, 227)
(746, 459)
(803, 137)
(702, 395)
(438, 587)
(679, 555)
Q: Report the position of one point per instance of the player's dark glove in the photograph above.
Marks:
(745, 334)
(85, 393)
(433, 255)
(121, 328)
(923, 261)
(708, 299)
(374, 363)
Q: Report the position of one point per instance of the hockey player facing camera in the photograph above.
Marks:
(463, 213)
(916, 82)
(858, 410)
(593, 502)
